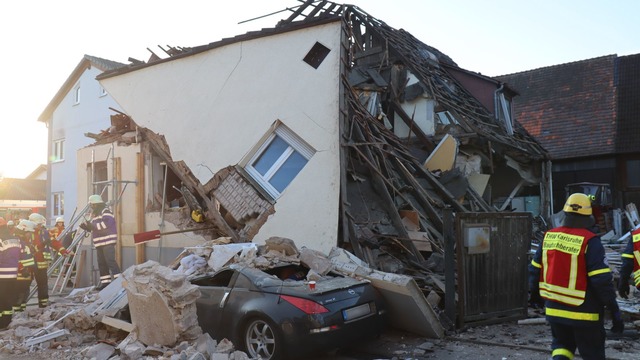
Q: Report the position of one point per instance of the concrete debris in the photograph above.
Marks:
(162, 304)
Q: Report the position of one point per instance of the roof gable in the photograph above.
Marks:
(86, 63)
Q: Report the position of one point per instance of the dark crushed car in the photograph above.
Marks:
(270, 316)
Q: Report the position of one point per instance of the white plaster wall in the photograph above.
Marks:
(214, 107)
(128, 169)
(422, 111)
(70, 122)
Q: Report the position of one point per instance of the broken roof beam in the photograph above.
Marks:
(423, 197)
(380, 183)
(412, 125)
(182, 171)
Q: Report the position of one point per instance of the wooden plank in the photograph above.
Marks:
(443, 157)
(140, 201)
(117, 323)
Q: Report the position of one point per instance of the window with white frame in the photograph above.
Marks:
(58, 204)
(76, 95)
(279, 160)
(58, 150)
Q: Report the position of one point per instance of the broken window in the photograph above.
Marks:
(279, 160)
(58, 150)
(446, 118)
(503, 111)
(316, 55)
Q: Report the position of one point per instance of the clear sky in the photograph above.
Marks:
(43, 41)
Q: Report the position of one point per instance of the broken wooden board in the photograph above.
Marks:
(443, 157)
(407, 305)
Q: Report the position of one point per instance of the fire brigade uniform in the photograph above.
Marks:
(25, 266)
(630, 264)
(571, 273)
(10, 248)
(104, 233)
(41, 244)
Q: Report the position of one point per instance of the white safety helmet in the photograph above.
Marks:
(26, 225)
(59, 219)
(38, 219)
(95, 199)
(10, 223)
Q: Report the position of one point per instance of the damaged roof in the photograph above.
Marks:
(378, 59)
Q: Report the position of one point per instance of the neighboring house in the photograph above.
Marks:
(40, 173)
(21, 197)
(79, 107)
(322, 129)
(585, 114)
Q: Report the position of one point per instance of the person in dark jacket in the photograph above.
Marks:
(570, 272)
(104, 233)
(10, 248)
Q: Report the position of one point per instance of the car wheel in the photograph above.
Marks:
(262, 340)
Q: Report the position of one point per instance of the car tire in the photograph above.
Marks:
(261, 338)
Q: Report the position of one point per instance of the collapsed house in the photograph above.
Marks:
(333, 129)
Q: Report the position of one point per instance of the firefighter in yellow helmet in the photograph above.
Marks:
(570, 272)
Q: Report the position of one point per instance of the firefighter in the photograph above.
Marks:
(630, 264)
(24, 231)
(570, 272)
(10, 248)
(11, 227)
(104, 233)
(41, 245)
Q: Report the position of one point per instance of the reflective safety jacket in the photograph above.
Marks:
(104, 229)
(571, 273)
(40, 244)
(631, 258)
(9, 257)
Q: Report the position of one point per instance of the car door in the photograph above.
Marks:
(214, 294)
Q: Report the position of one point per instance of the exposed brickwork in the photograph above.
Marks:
(242, 201)
(569, 108)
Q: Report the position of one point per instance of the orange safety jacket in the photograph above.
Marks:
(40, 245)
(564, 271)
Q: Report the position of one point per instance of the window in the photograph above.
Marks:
(58, 204)
(279, 160)
(76, 95)
(58, 150)
(316, 55)
(503, 111)
(633, 173)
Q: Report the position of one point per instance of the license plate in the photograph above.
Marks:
(356, 312)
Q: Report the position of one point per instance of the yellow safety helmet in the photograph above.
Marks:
(579, 204)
